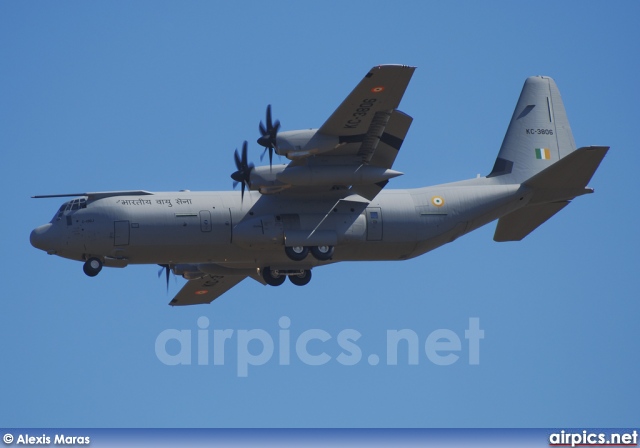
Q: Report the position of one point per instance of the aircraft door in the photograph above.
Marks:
(374, 224)
(121, 233)
(205, 221)
(219, 225)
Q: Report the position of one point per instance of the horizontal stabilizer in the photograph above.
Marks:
(568, 177)
(516, 225)
(553, 188)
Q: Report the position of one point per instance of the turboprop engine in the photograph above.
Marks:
(269, 180)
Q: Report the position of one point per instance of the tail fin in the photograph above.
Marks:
(538, 135)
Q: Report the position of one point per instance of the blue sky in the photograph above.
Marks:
(157, 95)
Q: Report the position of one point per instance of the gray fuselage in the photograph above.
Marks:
(220, 228)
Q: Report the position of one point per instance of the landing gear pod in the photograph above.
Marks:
(92, 266)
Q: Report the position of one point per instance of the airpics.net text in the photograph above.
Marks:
(257, 347)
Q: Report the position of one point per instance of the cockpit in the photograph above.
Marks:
(75, 204)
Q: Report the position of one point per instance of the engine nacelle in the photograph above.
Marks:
(304, 143)
(312, 176)
(188, 271)
(264, 179)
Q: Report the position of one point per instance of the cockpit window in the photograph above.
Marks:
(75, 204)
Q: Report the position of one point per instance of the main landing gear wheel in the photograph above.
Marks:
(322, 253)
(297, 253)
(273, 278)
(92, 267)
(301, 279)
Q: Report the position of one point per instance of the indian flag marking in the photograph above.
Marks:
(543, 153)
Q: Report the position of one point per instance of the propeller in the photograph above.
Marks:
(166, 268)
(268, 136)
(243, 175)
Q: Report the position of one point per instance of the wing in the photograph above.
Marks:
(354, 150)
(205, 289)
(369, 115)
(371, 102)
(96, 195)
(391, 140)
(384, 153)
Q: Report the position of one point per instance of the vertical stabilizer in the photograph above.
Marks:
(538, 135)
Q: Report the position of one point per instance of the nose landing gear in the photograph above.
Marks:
(92, 266)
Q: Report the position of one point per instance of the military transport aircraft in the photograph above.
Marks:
(328, 204)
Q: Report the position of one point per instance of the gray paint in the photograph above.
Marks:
(216, 239)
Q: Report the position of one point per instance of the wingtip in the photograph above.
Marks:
(396, 65)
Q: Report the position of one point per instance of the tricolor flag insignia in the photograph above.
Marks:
(543, 153)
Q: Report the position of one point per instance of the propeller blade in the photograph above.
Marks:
(244, 154)
(236, 158)
(269, 124)
(270, 158)
(243, 173)
(269, 135)
(166, 268)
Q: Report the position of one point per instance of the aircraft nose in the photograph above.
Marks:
(39, 238)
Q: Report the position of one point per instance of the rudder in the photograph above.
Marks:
(538, 134)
